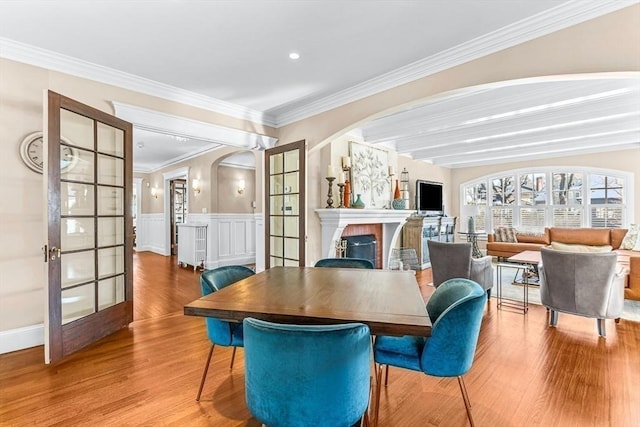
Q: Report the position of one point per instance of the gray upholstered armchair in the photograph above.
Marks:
(585, 284)
(453, 260)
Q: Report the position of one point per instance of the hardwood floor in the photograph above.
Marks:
(524, 373)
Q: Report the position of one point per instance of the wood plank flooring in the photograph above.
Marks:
(524, 373)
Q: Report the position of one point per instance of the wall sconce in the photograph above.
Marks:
(196, 186)
(154, 192)
(241, 186)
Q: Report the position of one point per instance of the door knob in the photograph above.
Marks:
(54, 253)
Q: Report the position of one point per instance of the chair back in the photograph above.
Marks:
(457, 306)
(580, 283)
(306, 375)
(449, 261)
(345, 263)
(219, 331)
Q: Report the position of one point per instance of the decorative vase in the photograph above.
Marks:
(346, 201)
(398, 204)
(471, 225)
(396, 193)
(358, 204)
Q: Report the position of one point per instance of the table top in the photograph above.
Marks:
(527, 257)
(389, 302)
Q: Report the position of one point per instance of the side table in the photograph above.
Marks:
(524, 260)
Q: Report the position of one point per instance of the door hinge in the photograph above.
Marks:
(46, 252)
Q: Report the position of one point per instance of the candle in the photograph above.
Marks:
(391, 171)
(330, 173)
(340, 177)
(346, 162)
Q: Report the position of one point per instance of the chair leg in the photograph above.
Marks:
(204, 374)
(465, 397)
(378, 391)
(386, 376)
(233, 357)
(553, 318)
(488, 294)
(602, 330)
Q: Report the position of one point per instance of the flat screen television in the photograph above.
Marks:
(429, 198)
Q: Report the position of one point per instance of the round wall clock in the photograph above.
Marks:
(32, 153)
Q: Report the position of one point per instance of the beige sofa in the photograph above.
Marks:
(576, 236)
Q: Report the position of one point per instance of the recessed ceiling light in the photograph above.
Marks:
(294, 55)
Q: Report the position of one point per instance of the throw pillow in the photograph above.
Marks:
(506, 234)
(631, 237)
(636, 247)
(580, 248)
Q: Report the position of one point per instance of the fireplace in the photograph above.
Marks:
(385, 224)
(363, 246)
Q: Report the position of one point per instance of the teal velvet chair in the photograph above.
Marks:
(307, 375)
(220, 332)
(455, 310)
(345, 263)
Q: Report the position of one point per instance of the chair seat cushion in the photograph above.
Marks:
(404, 352)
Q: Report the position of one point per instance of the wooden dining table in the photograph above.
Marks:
(389, 302)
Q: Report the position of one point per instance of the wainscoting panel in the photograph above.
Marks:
(230, 238)
(151, 233)
(225, 239)
(241, 238)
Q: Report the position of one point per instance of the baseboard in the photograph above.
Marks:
(243, 260)
(149, 248)
(21, 338)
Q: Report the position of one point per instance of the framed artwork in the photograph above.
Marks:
(369, 170)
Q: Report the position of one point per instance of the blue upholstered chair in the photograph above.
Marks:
(220, 332)
(306, 375)
(345, 263)
(455, 309)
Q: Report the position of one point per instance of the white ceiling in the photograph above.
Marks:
(232, 57)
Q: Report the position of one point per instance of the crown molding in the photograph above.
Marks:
(156, 121)
(20, 52)
(563, 16)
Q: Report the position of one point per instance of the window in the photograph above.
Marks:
(549, 197)
(475, 203)
(566, 198)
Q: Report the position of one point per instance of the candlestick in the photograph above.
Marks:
(341, 187)
(330, 193)
(346, 162)
(330, 173)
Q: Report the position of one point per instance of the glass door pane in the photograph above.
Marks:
(92, 232)
(285, 205)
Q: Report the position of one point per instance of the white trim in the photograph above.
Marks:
(20, 338)
(28, 54)
(156, 121)
(549, 21)
(565, 15)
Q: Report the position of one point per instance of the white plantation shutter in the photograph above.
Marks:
(502, 217)
(567, 217)
(606, 217)
(532, 218)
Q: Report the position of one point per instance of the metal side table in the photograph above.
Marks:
(524, 260)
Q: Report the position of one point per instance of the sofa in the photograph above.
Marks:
(596, 238)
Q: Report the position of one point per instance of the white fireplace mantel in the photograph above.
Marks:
(334, 221)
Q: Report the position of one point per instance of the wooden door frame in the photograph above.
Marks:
(302, 208)
(94, 325)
